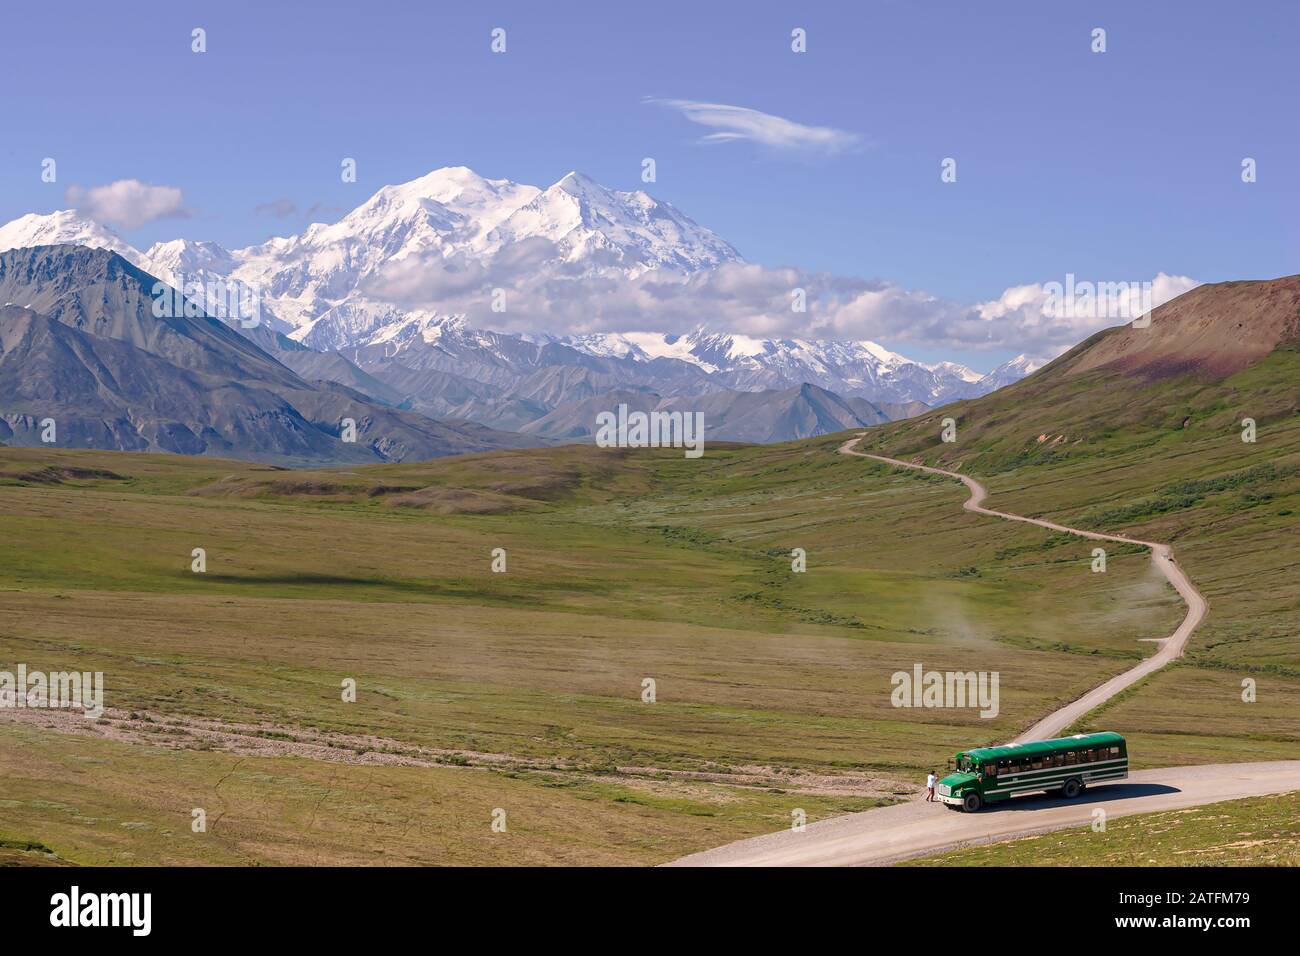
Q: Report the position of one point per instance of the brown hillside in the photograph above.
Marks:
(1214, 330)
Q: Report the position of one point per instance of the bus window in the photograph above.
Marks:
(991, 769)
(1071, 758)
(1114, 752)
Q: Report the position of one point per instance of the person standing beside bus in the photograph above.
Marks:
(929, 787)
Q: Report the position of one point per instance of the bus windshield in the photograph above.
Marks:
(965, 764)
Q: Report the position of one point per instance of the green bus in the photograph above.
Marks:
(1068, 764)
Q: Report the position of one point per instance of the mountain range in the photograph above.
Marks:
(81, 345)
(324, 313)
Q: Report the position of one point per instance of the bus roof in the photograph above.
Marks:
(1043, 746)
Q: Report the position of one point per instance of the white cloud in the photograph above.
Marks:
(775, 132)
(747, 299)
(128, 203)
(1046, 312)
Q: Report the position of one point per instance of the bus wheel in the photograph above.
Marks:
(971, 802)
(1071, 789)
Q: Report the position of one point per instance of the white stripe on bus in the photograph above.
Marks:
(1058, 775)
(1069, 768)
(1058, 781)
(1072, 766)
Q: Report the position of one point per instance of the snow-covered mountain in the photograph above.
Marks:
(64, 226)
(318, 288)
(169, 260)
(863, 368)
(956, 368)
(322, 281)
(599, 228)
(1008, 372)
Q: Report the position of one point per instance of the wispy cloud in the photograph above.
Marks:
(128, 203)
(279, 208)
(320, 210)
(774, 132)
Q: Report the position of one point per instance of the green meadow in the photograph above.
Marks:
(528, 690)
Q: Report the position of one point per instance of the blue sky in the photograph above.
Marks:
(1121, 164)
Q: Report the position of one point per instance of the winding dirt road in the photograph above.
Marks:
(917, 828)
(1168, 648)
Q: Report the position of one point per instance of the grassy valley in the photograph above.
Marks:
(524, 690)
(772, 687)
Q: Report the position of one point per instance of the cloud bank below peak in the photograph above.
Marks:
(753, 300)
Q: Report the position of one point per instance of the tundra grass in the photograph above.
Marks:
(621, 568)
(98, 803)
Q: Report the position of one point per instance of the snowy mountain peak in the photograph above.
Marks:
(429, 329)
(576, 183)
(463, 192)
(1010, 371)
(583, 187)
(963, 372)
(628, 231)
(190, 258)
(64, 226)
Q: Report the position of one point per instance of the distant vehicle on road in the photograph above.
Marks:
(1068, 764)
